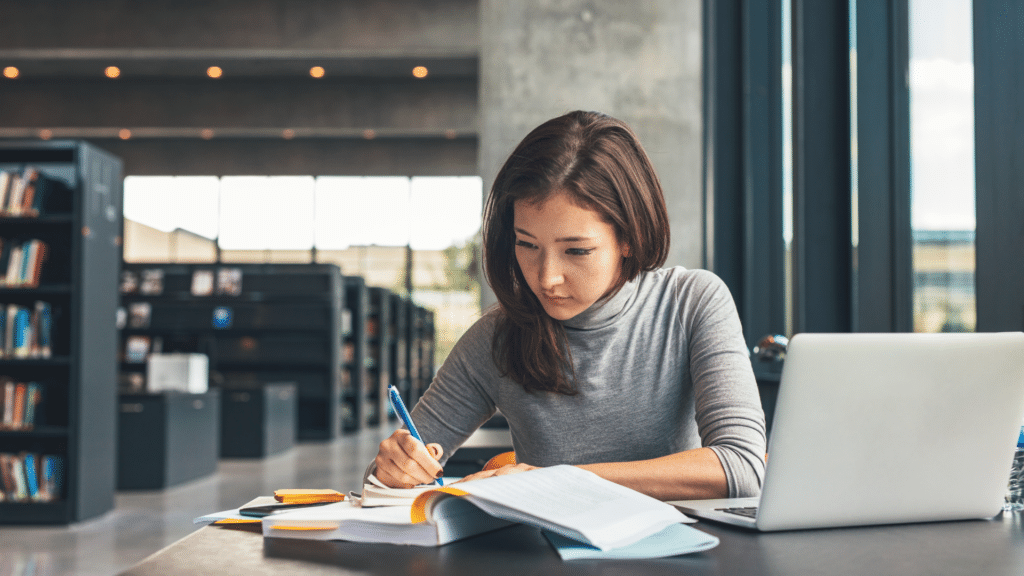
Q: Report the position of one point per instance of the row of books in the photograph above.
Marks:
(22, 194)
(31, 477)
(19, 404)
(26, 332)
(205, 282)
(21, 262)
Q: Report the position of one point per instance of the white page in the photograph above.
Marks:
(566, 497)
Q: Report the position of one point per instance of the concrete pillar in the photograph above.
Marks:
(636, 61)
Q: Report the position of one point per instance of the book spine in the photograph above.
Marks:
(45, 312)
(5, 187)
(33, 397)
(22, 333)
(31, 478)
(19, 405)
(8, 413)
(20, 483)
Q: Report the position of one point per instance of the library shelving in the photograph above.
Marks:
(258, 323)
(379, 336)
(61, 203)
(421, 350)
(398, 321)
(355, 409)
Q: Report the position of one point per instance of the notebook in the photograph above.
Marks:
(887, 429)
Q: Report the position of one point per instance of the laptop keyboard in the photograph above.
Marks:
(749, 511)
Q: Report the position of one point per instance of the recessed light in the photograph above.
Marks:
(420, 72)
(214, 72)
(112, 71)
(124, 134)
(11, 72)
(45, 134)
(316, 71)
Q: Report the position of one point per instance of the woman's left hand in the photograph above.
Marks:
(508, 469)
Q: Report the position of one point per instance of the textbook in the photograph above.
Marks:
(376, 493)
(565, 500)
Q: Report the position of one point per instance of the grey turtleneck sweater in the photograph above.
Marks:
(661, 366)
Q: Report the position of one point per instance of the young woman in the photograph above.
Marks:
(596, 356)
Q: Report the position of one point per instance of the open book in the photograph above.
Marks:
(565, 500)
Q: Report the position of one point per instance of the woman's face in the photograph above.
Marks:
(568, 254)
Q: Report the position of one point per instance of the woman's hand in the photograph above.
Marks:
(404, 462)
(507, 469)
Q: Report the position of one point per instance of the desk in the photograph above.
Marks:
(989, 548)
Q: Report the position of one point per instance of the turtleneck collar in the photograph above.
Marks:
(603, 312)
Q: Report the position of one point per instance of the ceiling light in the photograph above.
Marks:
(420, 71)
(206, 133)
(316, 72)
(45, 134)
(124, 134)
(11, 72)
(288, 133)
(214, 72)
(112, 71)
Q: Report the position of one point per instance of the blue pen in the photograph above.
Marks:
(403, 413)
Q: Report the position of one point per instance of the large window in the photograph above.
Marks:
(942, 164)
(369, 226)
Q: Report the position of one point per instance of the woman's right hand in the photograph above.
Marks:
(404, 462)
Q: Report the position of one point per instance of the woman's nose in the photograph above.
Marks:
(550, 272)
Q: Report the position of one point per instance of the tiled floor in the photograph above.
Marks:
(144, 522)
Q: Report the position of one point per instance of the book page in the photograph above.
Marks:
(575, 503)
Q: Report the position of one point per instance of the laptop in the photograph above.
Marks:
(886, 429)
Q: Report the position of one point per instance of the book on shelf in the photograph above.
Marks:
(566, 500)
(21, 262)
(229, 281)
(129, 282)
(26, 193)
(31, 477)
(151, 282)
(136, 349)
(21, 401)
(202, 283)
(26, 332)
(139, 314)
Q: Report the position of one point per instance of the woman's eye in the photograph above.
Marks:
(579, 251)
(524, 244)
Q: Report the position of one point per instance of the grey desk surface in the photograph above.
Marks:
(989, 548)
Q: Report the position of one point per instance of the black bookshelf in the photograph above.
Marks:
(398, 357)
(379, 337)
(421, 350)
(258, 323)
(356, 410)
(80, 222)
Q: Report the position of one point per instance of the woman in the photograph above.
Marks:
(595, 355)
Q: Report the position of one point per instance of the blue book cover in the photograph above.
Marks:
(31, 478)
(22, 326)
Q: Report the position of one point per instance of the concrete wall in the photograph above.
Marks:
(637, 61)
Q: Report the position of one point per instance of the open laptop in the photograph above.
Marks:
(886, 429)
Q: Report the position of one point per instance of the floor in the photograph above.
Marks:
(144, 522)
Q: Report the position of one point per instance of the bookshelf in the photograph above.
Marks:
(258, 323)
(398, 357)
(421, 350)
(355, 408)
(71, 353)
(379, 337)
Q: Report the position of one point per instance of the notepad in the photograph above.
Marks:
(565, 500)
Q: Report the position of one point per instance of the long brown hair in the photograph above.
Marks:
(599, 162)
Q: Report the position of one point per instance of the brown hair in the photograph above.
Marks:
(598, 161)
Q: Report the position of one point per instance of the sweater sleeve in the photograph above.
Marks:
(457, 402)
(728, 407)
